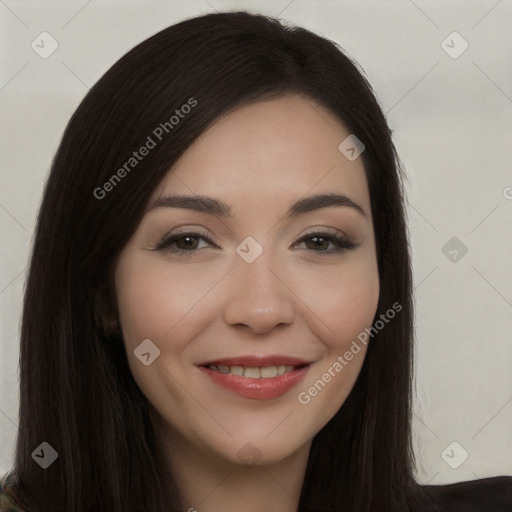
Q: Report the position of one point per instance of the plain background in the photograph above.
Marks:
(452, 124)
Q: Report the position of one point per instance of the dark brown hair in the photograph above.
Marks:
(76, 391)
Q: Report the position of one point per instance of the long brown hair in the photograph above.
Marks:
(76, 391)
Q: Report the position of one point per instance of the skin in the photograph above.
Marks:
(195, 308)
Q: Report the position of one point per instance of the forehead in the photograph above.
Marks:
(269, 150)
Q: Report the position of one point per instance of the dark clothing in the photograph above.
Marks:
(485, 495)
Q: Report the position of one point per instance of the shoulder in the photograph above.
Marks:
(484, 495)
(7, 501)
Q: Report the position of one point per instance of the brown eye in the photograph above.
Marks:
(187, 242)
(184, 243)
(319, 242)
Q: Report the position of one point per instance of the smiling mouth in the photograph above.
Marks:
(262, 378)
(255, 372)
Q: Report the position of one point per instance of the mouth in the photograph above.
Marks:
(255, 372)
(258, 377)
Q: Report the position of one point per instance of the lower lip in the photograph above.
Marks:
(261, 389)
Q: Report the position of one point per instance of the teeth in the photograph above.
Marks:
(237, 370)
(268, 371)
(252, 372)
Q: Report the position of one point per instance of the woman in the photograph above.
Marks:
(218, 312)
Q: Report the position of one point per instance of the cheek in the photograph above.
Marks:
(343, 298)
(153, 302)
(325, 390)
(157, 304)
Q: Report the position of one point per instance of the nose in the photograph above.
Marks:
(259, 298)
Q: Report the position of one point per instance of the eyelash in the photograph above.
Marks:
(341, 242)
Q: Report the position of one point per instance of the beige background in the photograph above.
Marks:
(452, 122)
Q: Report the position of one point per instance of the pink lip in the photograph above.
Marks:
(263, 388)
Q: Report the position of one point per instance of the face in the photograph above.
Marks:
(250, 314)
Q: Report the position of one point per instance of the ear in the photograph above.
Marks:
(105, 312)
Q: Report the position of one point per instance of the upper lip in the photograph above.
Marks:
(258, 361)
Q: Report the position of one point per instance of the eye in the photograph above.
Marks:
(187, 241)
(321, 240)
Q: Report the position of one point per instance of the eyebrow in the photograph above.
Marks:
(219, 208)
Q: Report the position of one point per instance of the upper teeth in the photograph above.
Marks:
(253, 372)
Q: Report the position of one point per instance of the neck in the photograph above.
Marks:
(209, 483)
